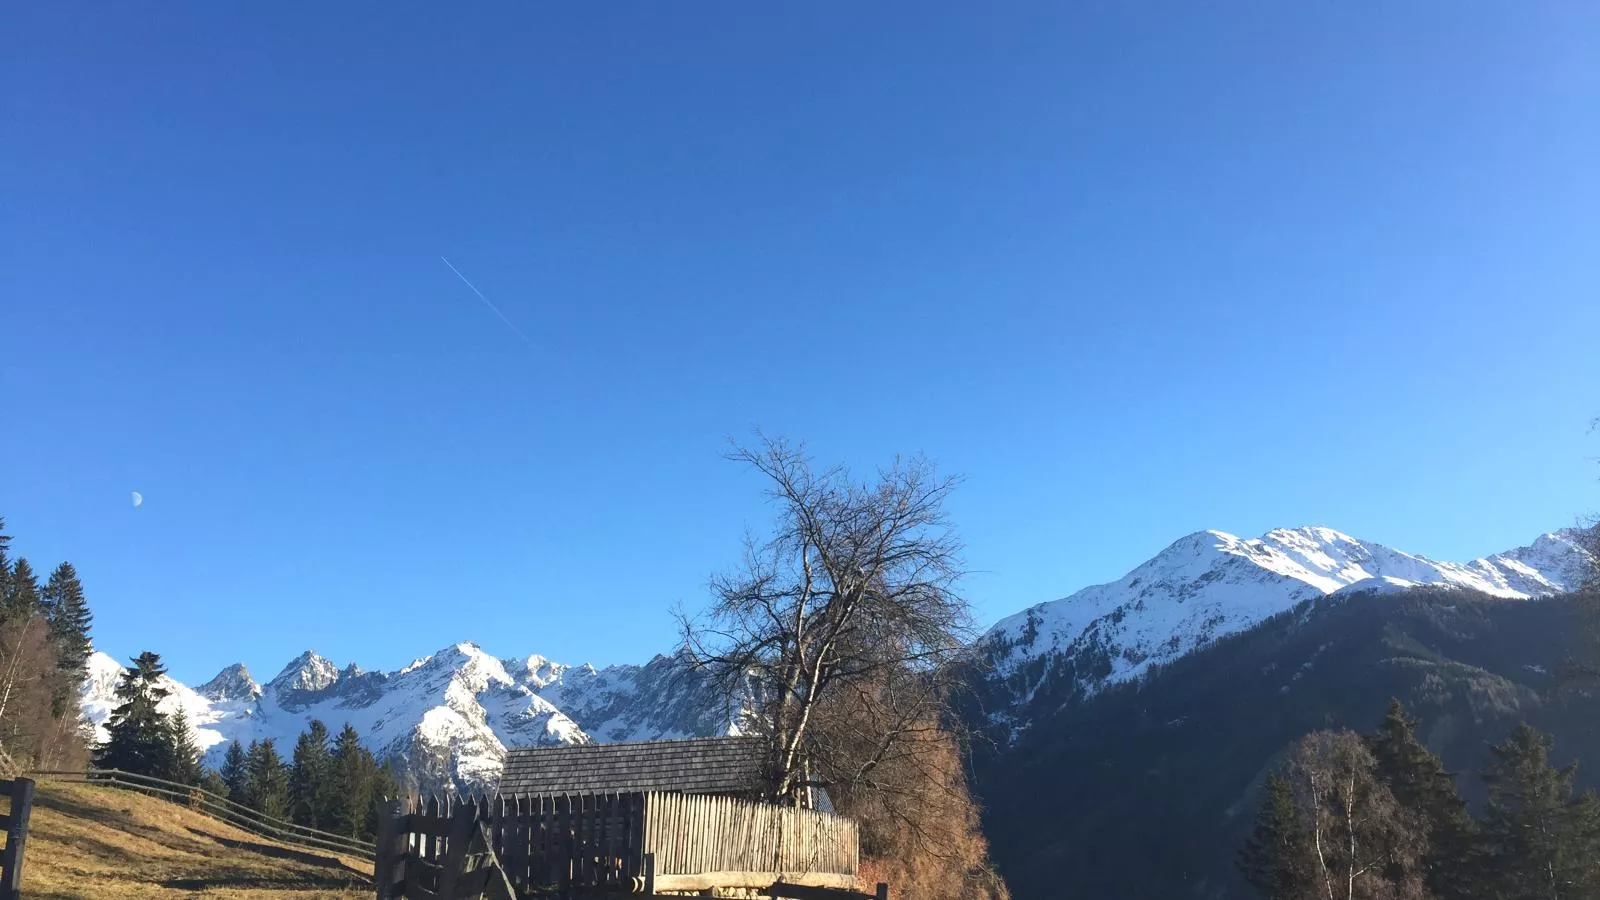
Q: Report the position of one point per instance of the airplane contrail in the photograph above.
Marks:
(512, 325)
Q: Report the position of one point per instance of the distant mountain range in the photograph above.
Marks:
(451, 715)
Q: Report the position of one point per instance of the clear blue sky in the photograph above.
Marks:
(1133, 269)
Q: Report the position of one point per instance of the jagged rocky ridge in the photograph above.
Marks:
(448, 717)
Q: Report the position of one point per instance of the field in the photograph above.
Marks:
(89, 841)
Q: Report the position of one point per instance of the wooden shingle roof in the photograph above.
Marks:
(722, 765)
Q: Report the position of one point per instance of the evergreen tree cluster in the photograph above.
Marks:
(44, 655)
(140, 737)
(331, 783)
(1410, 836)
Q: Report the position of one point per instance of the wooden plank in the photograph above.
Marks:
(760, 881)
(470, 885)
(12, 858)
(430, 838)
(463, 822)
(389, 847)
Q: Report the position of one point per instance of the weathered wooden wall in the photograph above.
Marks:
(553, 842)
(692, 833)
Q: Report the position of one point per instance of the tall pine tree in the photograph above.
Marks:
(1419, 781)
(139, 734)
(1274, 859)
(5, 569)
(266, 779)
(353, 773)
(70, 618)
(186, 767)
(1538, 840)
(21, 597)
(310, 777)
(235, 774)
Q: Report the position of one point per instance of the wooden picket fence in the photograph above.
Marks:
(630, 843)
(15, 826)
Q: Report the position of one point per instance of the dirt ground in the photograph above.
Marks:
(88, 841)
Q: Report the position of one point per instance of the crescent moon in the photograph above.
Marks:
(138, 498)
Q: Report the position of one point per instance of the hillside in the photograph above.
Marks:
(1147, 788)
(89, 841)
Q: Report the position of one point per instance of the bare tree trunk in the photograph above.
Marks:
(1316, 834)
(11, 668)
(1350, 827)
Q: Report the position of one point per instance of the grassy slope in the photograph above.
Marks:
(91, 841)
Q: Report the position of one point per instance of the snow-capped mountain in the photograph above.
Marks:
(1210, 584)
(449, 716)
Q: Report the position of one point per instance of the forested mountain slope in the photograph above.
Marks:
(1148, 788)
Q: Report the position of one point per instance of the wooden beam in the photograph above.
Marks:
(790, 891)
(21, 791)
(706, 881)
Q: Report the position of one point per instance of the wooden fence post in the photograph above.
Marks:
(390, 849)
(16, 839)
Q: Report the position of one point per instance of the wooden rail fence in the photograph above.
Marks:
(235, 814)
(15, 826)
(638, 843)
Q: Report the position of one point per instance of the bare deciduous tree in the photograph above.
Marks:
(841, 626)
(842, 621)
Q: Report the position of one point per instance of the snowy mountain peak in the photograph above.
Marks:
(536, 672)
(307, 672)
(1211, 583)
(104, 673)
(232, 683)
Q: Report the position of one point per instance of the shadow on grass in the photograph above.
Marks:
(302, 856)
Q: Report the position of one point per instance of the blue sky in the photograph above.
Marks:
(1133, 270)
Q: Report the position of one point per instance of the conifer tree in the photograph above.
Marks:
(70, 618)
(353, 773)
(212, 781)
(1538, 840)
(140, 735)
(385, 785)
(1274, 859)
(1420, 783)
(21, 597)
(5, 569)
(186, 767)
(266, 779)
(310, 778)
(235, 774)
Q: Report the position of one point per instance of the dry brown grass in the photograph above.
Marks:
(90, 841)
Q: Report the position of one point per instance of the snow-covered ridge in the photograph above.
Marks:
(1210, 584)
(449, 716)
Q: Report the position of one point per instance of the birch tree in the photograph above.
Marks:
(1361, 842)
